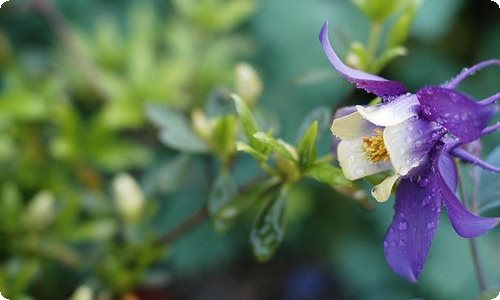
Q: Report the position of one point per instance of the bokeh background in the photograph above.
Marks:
(74, 85)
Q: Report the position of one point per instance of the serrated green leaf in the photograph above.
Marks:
(269, 228)
(307, 146)
(176, 131)
(326, 173)
(279, 146)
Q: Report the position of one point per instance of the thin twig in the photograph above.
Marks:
(186, 226)
(56, 20)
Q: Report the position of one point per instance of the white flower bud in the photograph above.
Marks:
(248, 83)
(128, 196)
(40, 211)
(82, 293)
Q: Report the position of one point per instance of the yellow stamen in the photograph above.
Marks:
(374, 147)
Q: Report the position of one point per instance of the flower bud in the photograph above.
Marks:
(128, 196)
(248, 84)
(83, 292)
(40, 211)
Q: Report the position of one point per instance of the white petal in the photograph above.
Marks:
(351, 126)
(382, 191)
(409, 143)
(353, 161)
(392, 113)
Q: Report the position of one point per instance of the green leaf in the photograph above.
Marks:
(224, 212)
(269, 227)
(166, 177)
(326, 173)
(401, 29)
(224, 135)
(387, 56)
(322, 115)
(176, 131)
(377, 10)
(358, 56)
(223, 190)
(307, 146)
(259, 156)
(278, 146)
(247, 120)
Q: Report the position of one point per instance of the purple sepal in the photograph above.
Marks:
(386, 89)
(469, 72)
(408, 240)
(465, 223)
(459, 114)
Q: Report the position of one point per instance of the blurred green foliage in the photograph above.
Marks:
(118, 120)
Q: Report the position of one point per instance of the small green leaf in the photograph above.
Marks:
(387, 56)
(307, 146)
(247, 120)
(358, 56)
(225, 212)
(224, 135)
(401, 29)
(269, 227)
(323, 115)
(223, 190)
(326, 173)
(259, 156)
(166, 177)
(176, 131)
(377, 10)
(278, 146)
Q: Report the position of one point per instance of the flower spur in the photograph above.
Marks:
(415, 136)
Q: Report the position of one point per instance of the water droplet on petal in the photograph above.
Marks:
(403, 225)
(424, 182)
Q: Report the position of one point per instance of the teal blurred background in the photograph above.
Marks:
(87, 186)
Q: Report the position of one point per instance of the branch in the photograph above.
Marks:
(56, 20)
(186, 226)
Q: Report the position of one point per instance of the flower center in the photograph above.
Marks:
(374, 147)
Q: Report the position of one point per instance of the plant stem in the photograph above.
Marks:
(376, 30)
(476, 262)
(186, 226)
(56, 20)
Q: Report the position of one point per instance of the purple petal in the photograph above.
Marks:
(465, 223)
(460, 115)
(470, 71)
(408, 240)
(379, 86)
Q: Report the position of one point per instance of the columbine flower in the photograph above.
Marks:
(415, 137)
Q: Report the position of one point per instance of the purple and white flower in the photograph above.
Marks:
(414, 136)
